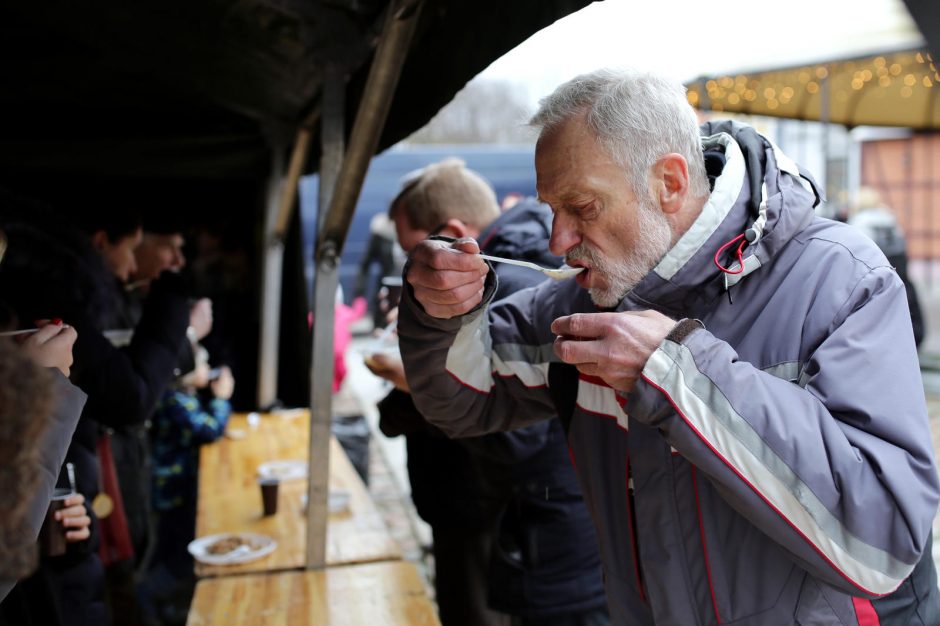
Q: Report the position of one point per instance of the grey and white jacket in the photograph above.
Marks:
(773, 468)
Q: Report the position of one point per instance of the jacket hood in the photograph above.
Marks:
(759, 198)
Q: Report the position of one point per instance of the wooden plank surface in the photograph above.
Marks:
(357, 595)
(230, 499)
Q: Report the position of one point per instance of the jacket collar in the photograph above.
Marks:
(687, 279)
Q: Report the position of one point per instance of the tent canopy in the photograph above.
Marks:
(897, 88)
(926, 14)
(181, 90)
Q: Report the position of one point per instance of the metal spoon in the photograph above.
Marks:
(22, 331)
(70, 470)
(560, 273)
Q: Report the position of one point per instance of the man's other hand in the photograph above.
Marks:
(612, 346)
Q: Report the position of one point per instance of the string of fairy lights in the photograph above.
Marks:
(901, 74)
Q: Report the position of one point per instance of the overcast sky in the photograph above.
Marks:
(710, 37)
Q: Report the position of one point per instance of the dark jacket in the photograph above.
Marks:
(444, 487)
(123, 384)
(546, 559)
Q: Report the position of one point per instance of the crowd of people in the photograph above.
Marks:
(98, 295)
(719, 419)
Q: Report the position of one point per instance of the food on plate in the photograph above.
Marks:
(229, 543)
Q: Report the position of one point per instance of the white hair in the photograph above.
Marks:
(637, 117)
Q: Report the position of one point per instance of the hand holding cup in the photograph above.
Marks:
(52, 541)
(74, 518)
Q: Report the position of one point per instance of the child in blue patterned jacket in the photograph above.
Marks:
(182, 421)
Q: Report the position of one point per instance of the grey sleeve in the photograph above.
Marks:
(478, 373)
(53, 444)
(838, 470)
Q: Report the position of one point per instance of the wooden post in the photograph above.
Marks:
(298, 163)
(271, 287)
(364, 139)
(282, 197)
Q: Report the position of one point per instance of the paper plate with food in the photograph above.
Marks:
(283, 470)
(231, 548)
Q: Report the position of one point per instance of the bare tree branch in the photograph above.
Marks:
(485, 111)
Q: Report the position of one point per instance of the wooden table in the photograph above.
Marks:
(355, 595)
(230, 499)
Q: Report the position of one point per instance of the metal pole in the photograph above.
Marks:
(332, 138)
(364, 139)
(370, 117)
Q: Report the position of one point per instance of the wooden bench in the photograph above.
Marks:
(357, 595)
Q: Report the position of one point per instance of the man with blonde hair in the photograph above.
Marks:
(439, 195)
(745, 407)
(512, 535)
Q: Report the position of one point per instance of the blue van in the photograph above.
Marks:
(509, 169)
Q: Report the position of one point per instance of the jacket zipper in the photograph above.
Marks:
(701, 526)
(631, 518)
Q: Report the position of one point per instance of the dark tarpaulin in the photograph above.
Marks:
(184, 89)
(926, 14)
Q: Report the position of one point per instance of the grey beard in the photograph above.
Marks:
(654, 239)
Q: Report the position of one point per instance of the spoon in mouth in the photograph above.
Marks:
(562, 273)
